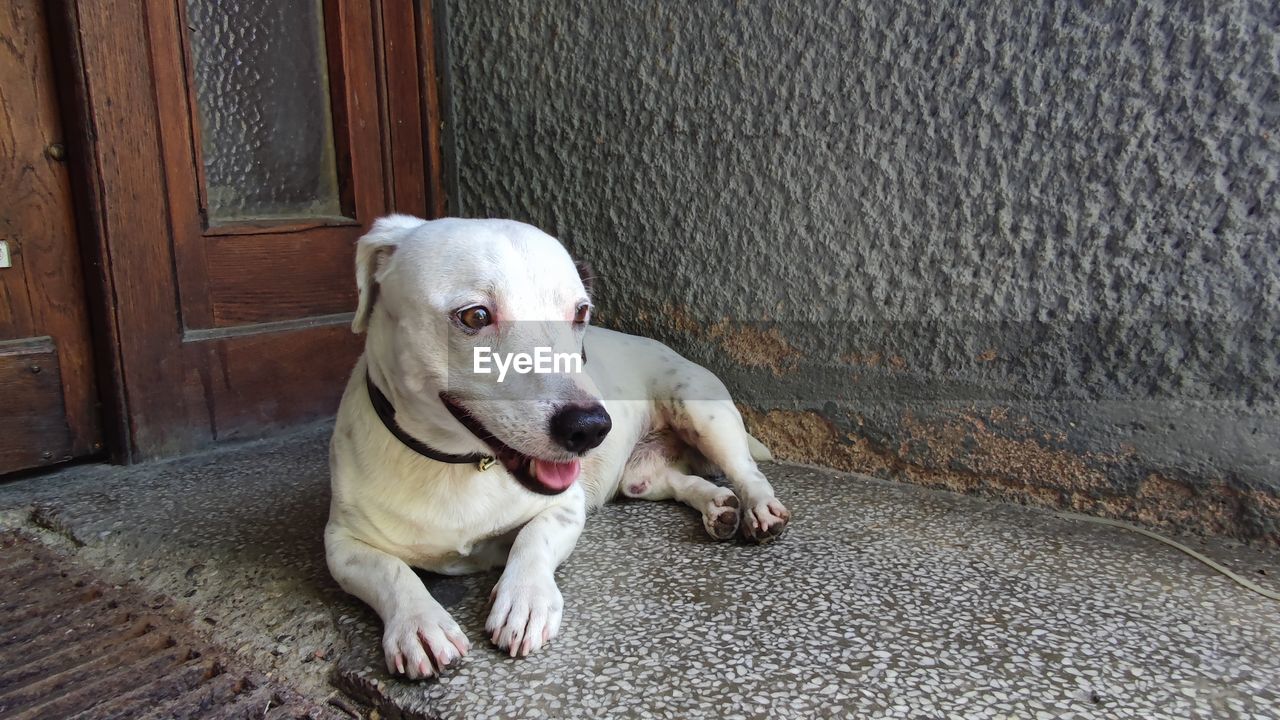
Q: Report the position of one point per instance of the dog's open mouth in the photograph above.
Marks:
(546, 477)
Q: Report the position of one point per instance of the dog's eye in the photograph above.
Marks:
(475, 317)
(583, 314)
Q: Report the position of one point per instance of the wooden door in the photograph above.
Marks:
(235, 152)
(48, 410)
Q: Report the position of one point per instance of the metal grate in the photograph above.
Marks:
(73, 646)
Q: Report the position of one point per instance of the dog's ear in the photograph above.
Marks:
(373, 256)
(587, 274)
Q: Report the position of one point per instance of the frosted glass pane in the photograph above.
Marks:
(262, 88)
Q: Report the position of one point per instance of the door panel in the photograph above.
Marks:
(274, 168)
(225, 221)
(33, 427)
(287, 276)
(271, 186)
(278, 377)
(48, 407)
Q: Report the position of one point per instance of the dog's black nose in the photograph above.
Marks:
(578, 429)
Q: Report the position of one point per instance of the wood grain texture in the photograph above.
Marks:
(33, 426)
(343, 120)
(80, 136)
(208, 328)
(360, 98)
(279, 227)
(263, 278)
(44, 291)
(181, 152)
(432, 114)
(15, 303)
(404, 137)
(271, 380)
(163, 392)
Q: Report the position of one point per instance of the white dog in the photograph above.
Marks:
(440, 466)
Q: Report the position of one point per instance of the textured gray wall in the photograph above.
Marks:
(1008, 247)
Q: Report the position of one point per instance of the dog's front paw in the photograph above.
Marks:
(764, 521)
(423, 643)
(526, 613)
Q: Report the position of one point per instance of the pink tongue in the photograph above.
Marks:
(557, 476)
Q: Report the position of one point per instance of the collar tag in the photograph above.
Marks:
(485, 463)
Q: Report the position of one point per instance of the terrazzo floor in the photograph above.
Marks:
(882, 601)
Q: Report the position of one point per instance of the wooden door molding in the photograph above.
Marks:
(411, 91)
(205, 339)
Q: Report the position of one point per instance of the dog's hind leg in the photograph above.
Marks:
(715, 428)
(649, 475)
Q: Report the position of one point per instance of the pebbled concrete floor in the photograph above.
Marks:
(883, 600)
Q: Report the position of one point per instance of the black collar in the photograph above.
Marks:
(387, 414)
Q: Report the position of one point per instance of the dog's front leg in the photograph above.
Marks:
(419, 638)
(527, 605)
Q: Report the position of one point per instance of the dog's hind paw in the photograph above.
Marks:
(720, 517)
(764, 522)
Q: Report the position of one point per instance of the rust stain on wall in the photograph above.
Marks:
(993, 454)
(1218, 508)
(963, 454)
(754, 347)
(875, 359)
(809, 437)
(968, 442)
(745, 344)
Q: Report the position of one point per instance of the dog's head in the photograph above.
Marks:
(474, 327)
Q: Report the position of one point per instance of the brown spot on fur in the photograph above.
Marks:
(661, 442)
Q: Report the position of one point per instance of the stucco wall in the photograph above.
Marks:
(1016, 248)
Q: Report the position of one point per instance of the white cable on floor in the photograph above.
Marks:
(1238, 578)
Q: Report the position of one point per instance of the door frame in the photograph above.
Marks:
(159, 381)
